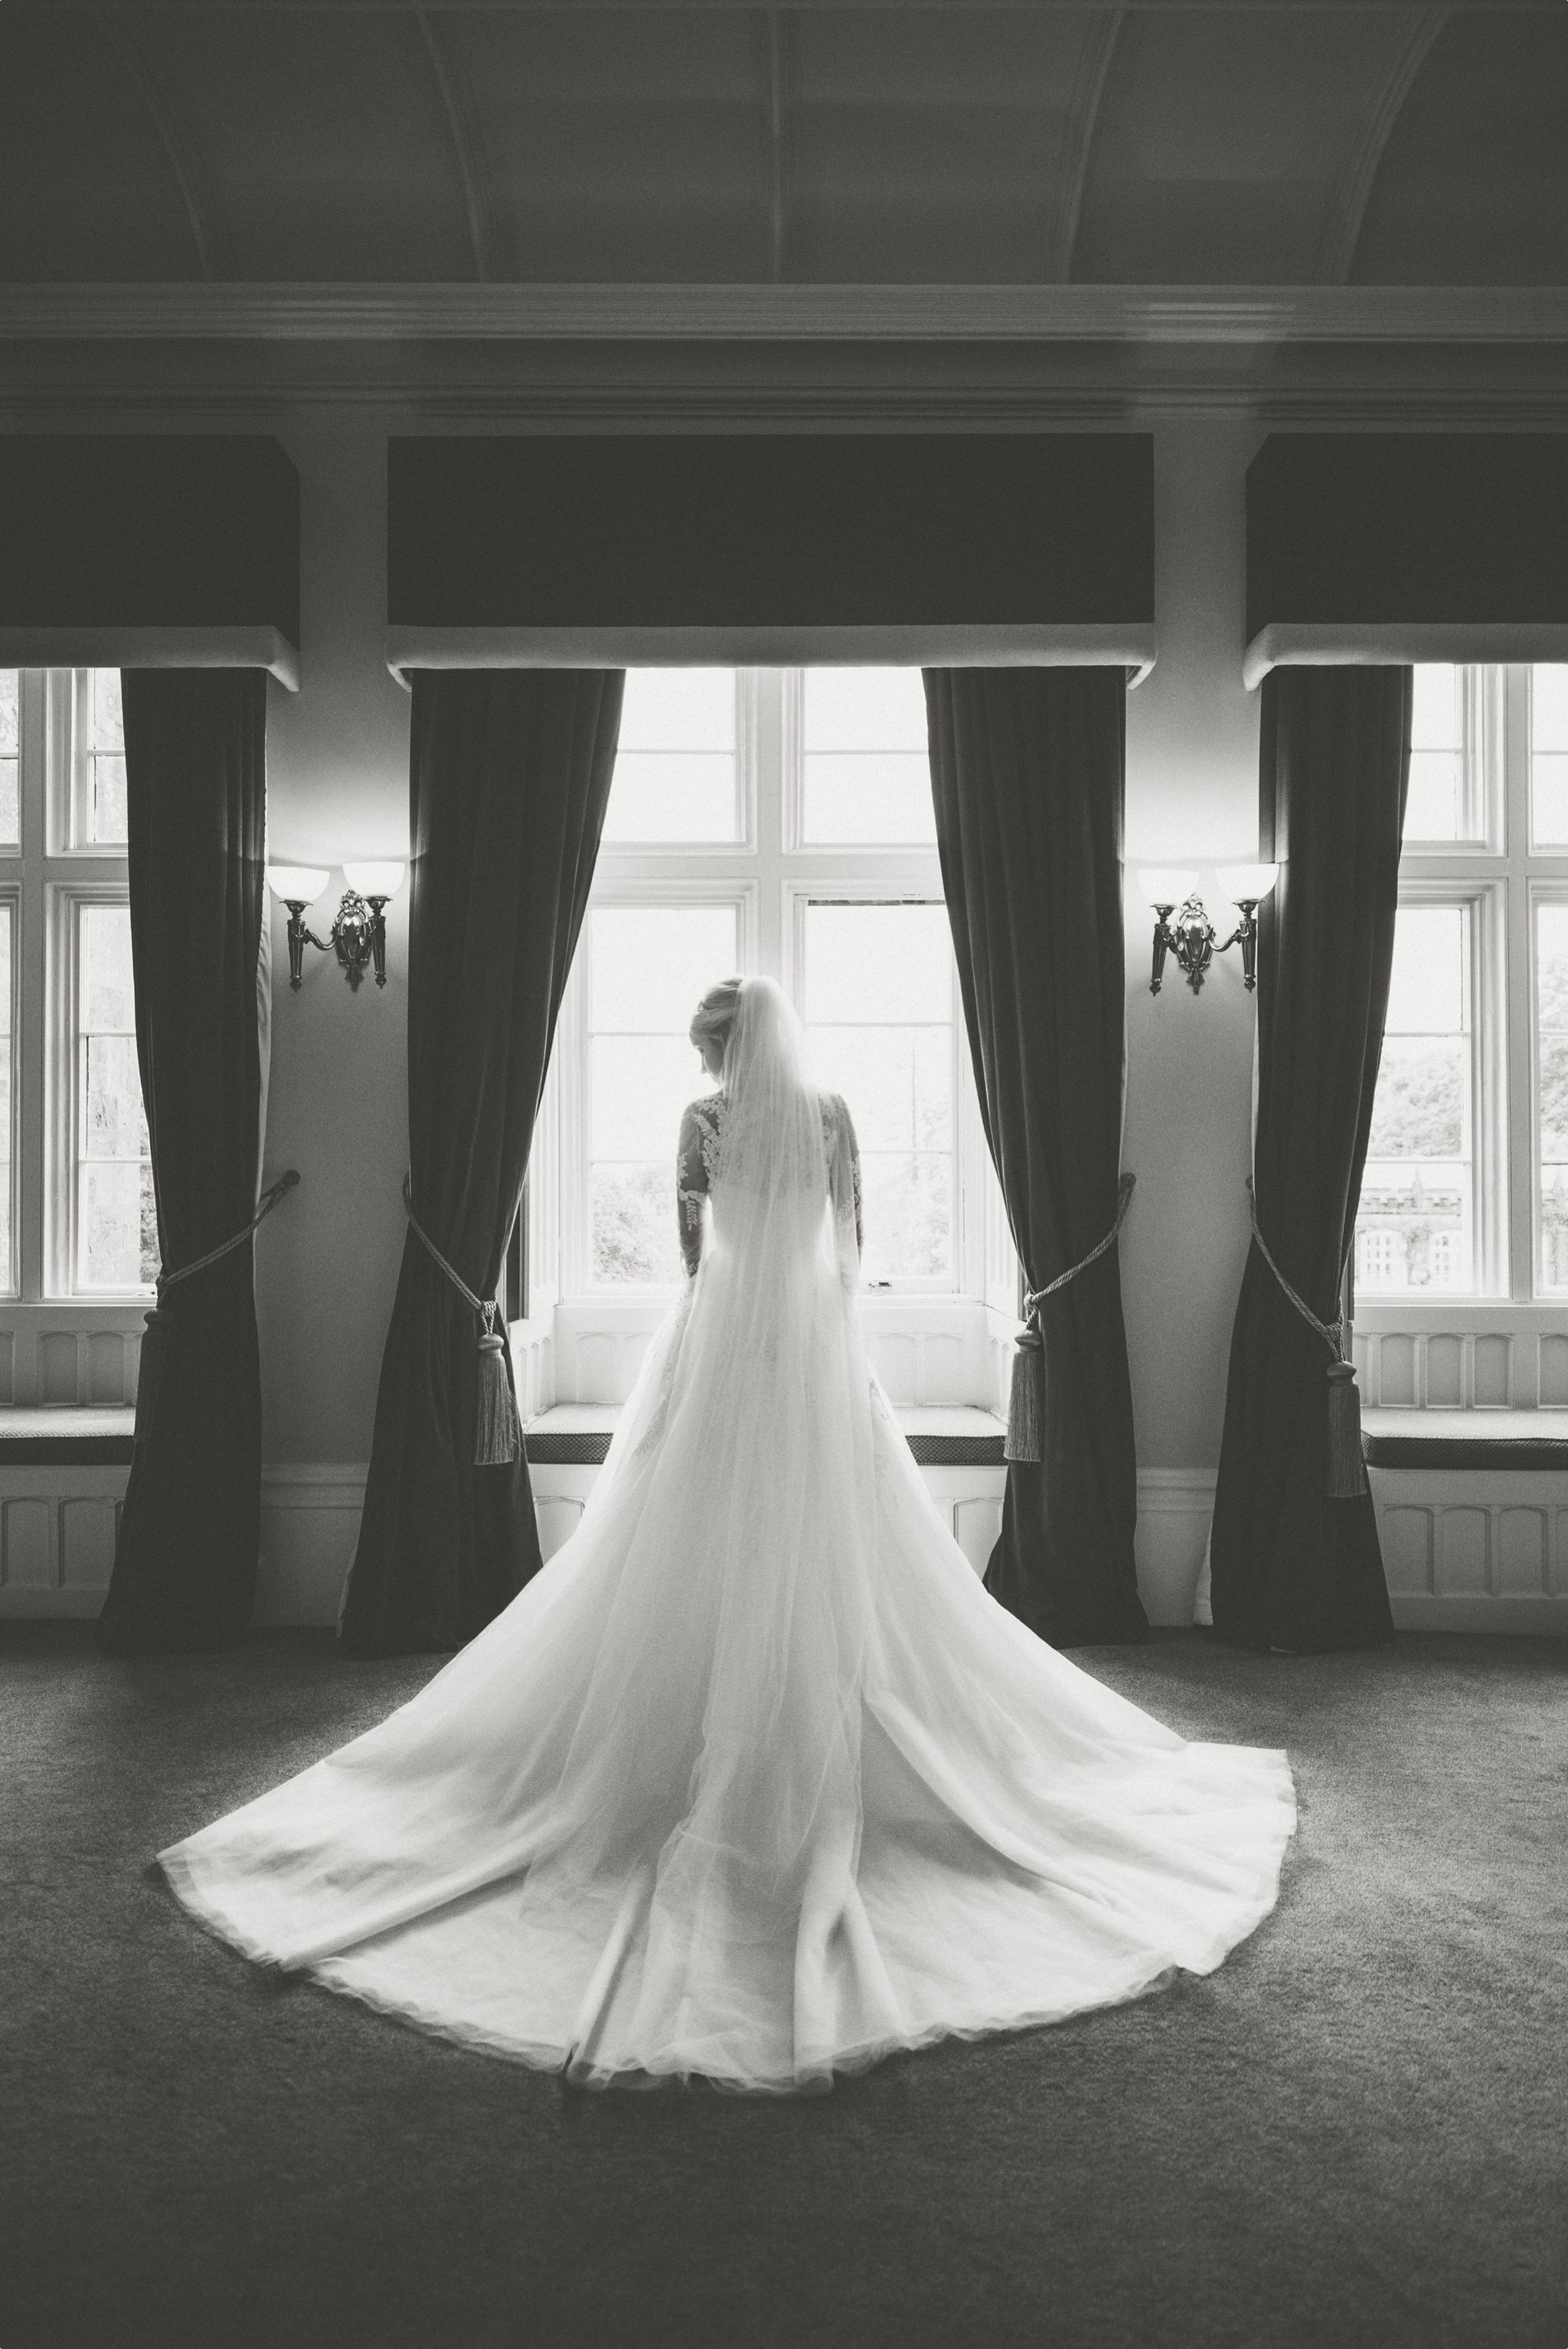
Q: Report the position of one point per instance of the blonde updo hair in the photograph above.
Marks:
(715, 1015)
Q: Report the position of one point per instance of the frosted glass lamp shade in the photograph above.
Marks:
(1167, 885)
(298, 884)
(1247, 885)
(374, 880)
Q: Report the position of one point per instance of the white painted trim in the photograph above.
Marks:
(283, 312)
(310, 1527)
(57, 1531)
(1129, 645)
(314, 1484)
(1174, 1509)
(158, 647)
(311, 1512)
(1361, 643)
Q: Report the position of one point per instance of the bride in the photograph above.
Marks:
(753, 1782)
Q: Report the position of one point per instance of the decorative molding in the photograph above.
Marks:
(1174, 1509)
(57, 1532)
(450, 72)
(195, 194)
(778, 35)
(523, 312)
(310, 1526)
(1342, 233)
(1475, 1549)
(1465, 1550)
(1101, 32)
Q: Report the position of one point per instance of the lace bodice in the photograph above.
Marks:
(697, 1161)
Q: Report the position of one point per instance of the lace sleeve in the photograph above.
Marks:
(844, 1148)
(691, 1184)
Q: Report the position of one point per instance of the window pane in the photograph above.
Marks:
(648, 967)
(1415, 1225)
(10, 755)
(867, 774)
(6, 1270)
(108, 817)
(1437, 739)
(675, 765)
(879, 1013)
(1552, 1088)
(117, 1222)
(1549, 756)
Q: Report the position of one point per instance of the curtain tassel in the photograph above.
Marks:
(1346, 1467)
(149, 1373)
(1027, 1398)
(495, 1415)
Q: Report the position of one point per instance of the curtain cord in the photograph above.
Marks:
(1345, 1469)
(1331, 1333)
(1035, 1298)
(269, 1200)
(497, 1434)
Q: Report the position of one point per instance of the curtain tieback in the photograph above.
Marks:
(1027, 1399)
(496, 1432)
(1347, 1475)
(154, 1339)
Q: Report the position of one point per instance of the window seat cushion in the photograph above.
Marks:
(1465, 1439)
(953, 1436)
(72, 1435)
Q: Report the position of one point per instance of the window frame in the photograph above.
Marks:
(44, 880)
(1502, 876)
(574, 1131)
(64, 1164)
(771, 875)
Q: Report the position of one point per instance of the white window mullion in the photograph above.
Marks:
(46, 749)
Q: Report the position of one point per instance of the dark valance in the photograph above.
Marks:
(573, 549)
(1394, 547)
(148, 551)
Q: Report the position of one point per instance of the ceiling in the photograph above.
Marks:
(245, 141)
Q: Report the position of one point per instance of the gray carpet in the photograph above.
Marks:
(1353, 2134)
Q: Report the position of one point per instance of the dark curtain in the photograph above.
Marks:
(1290, 1568)
(1027, 771)
(195, 751)
(509, 774)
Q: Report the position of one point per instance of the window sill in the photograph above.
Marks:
(953, 1436)
(95, 1311)
(1483, 1438)
(65, 1435)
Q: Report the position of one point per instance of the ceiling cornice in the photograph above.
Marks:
(1242, 314)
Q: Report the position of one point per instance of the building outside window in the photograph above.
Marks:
(1465, 1193)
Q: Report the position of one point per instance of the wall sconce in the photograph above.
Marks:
(359, 933)
(1191, 937)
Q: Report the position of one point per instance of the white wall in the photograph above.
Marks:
(1192, 798)
(337, 783)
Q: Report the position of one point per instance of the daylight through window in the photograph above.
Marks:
(778, 821)
(1466, 1186)
(79, 1216)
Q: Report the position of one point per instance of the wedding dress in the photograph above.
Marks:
(753, 1782)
